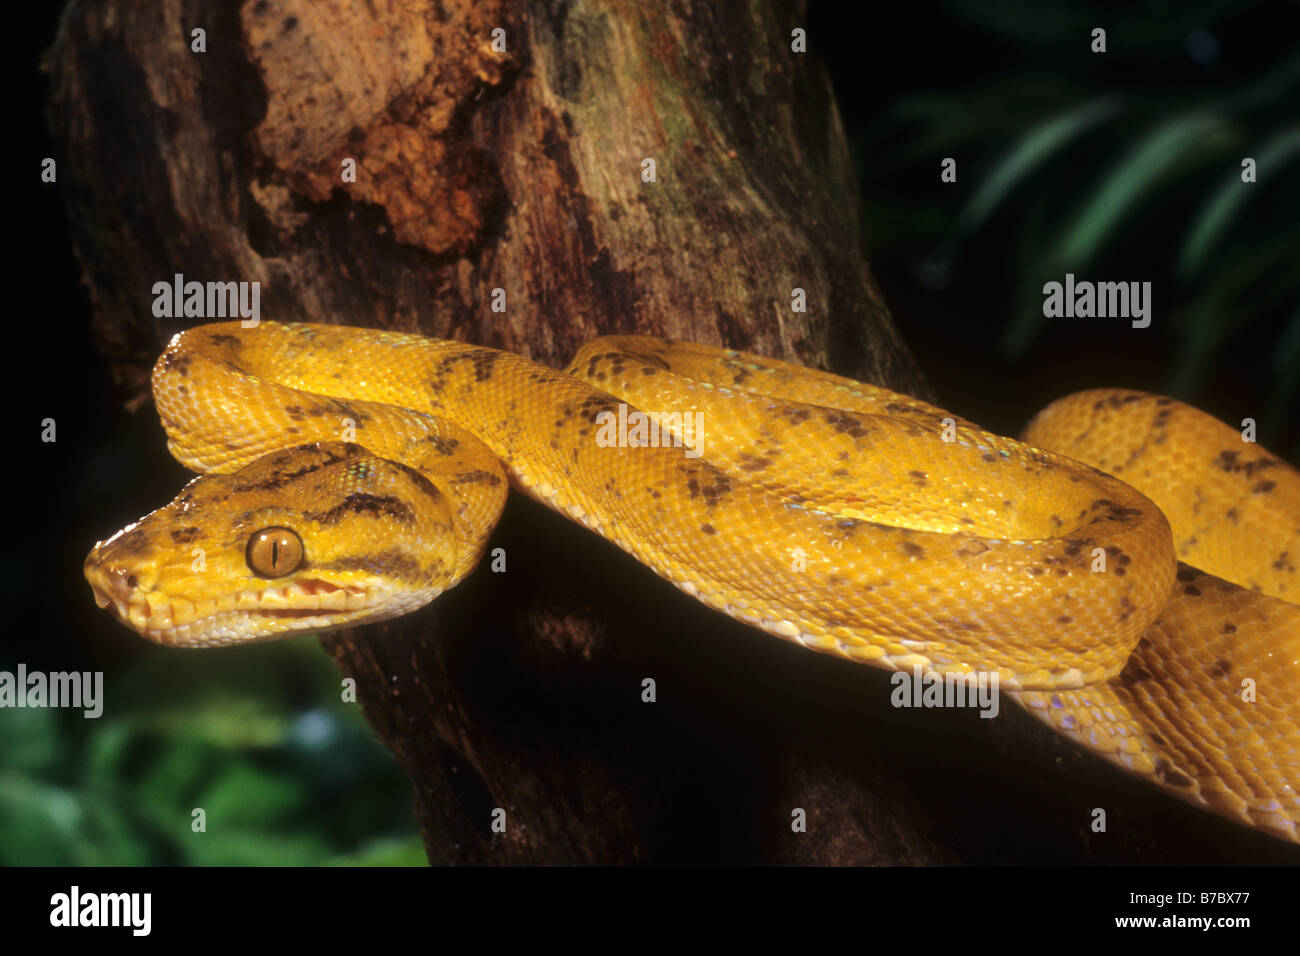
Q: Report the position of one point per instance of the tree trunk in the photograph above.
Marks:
(517, 176)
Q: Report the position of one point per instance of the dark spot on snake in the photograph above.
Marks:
(1228, 461)
(185, 535)
(1065, 619)
(1231, 515)
(1035, 572)
(1229, 628)
(750, 462)
(1126, 608)
(220, 338)
(593, 405)
(708, 529)
(897, 408)
(713, 489)
(919, 477)
(1219, 669)
(375, 506)
(1075, 546)
(845, 423)
(278, 478)
(1263, 487)
(390, 561)
(484, 363)
(442, 445)
(1158, 739)
(914, 549)
(178, 363)
(989, 456)
(1193, 590)
(1168, 775)
(1120, 513)
(477, 476)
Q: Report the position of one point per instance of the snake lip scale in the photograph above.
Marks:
(1126, 571)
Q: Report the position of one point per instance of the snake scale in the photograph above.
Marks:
(1140, 604)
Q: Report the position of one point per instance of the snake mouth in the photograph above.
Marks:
(238, 617)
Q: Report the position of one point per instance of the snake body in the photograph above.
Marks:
(352, 475)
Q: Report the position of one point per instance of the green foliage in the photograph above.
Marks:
(286, 773)
(1094, 163)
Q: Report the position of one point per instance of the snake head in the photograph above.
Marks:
(308, 539)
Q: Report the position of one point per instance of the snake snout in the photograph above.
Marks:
(113, 582)
(112, 585)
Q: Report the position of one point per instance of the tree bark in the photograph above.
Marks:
(488, 175)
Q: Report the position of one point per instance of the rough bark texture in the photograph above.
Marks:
(521, 170)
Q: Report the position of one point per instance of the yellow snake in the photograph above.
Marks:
(352, 475)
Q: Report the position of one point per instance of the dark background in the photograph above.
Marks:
(261, 729)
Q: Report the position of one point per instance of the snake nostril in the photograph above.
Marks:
(121, 582)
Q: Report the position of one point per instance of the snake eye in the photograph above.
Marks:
(274, 552)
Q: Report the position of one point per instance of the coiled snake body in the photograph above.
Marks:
(352, 475)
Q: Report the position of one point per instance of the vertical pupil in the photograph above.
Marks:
(275, 552)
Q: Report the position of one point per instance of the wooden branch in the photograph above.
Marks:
(481, 170)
